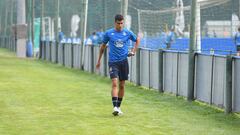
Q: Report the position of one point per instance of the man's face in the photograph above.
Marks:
(119, 25)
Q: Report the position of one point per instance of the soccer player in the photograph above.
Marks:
(100, 35)
(170, 37)
(118, 39)
(237, 41)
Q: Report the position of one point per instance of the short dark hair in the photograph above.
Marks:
(118, 17)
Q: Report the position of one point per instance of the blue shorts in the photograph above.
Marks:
(119, 69)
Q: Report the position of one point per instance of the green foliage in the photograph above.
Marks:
(38, 97)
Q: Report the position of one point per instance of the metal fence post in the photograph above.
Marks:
(50, 50)
(160, 75)
(63, 54)
(149, 69)
(56, 51)
(105, 62)
(92, 59)
(72, 55)
(228, 90)
(191, 55)
(138, 66)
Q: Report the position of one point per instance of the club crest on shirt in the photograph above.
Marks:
(118, 43)
(112, 33)
(124, 33)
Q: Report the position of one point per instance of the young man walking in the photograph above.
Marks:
(118, 39)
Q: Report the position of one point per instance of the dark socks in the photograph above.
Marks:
(114, 101)
(119, 101)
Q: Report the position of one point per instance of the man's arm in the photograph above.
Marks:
(134, 49)
(102, 48)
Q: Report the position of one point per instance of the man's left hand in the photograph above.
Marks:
(131, 54)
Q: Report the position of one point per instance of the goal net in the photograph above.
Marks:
(154, 24)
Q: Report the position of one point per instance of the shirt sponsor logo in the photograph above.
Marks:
(118, 43)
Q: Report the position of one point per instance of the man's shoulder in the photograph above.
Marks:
(127, 30)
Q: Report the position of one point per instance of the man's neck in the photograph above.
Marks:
(118, 29)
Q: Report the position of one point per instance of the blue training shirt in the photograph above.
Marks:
(170, 37)
(100, 37)
(94, 39)
(118, 43)
(237, 38)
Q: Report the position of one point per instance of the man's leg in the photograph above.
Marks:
(121, 92)
(114, 87)
(114, 96)
(114, 92)
(120, 96)
(123, 75)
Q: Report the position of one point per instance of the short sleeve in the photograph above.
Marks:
(133, 37)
